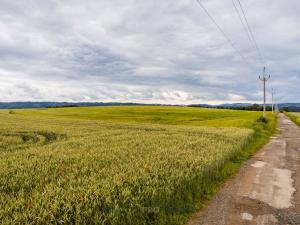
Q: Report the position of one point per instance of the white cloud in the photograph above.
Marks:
(144, 51)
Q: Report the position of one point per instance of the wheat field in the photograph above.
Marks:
(61, 169)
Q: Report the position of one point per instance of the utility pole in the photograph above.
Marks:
(272, 101)
(264, 78)
(276, 106)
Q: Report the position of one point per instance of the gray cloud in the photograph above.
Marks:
(144, 51)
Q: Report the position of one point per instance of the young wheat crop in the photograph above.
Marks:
(75, 171)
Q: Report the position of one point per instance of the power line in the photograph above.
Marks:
(251, 33)
(264, 77)
(242, 22)
(224, 34)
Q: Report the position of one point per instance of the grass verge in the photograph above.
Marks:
(295, 117)
(262, 134)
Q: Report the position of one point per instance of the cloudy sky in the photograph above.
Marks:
(146, 51)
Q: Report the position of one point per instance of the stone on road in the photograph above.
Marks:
(266, 191)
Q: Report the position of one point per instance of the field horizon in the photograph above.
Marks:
(293, 107)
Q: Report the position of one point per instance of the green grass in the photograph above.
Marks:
(119, 165)
(295, 117)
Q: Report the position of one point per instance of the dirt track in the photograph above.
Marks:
(266, 191)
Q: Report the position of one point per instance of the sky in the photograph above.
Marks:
(167, 52)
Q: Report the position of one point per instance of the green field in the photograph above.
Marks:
(154, 114)
(294, 117)
(119, 165)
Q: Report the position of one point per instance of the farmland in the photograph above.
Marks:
(119, 165)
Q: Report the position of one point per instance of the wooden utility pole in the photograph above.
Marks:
(264, 78)
(272, 101)
(276, 106)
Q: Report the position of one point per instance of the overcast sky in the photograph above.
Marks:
(149, 51)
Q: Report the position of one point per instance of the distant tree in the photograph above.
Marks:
(269, 108)
(285, 109)
(256, 107)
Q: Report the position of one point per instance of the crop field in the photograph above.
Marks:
(119, 165)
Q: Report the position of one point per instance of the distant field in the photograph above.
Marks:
(119, 165)
(153, 114)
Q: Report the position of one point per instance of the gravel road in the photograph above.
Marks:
(266, 191)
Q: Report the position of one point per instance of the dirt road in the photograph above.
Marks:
(267, 189)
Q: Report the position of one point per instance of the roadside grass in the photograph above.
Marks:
(127, 169)
(261, 136)
(295, 117)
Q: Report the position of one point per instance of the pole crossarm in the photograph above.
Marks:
(264, 77)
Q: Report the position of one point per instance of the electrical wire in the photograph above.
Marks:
(261, 58)
(242, 22)
(224, 34)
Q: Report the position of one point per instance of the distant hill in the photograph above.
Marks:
(226, 105)
(293, 107)
(27, 105)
